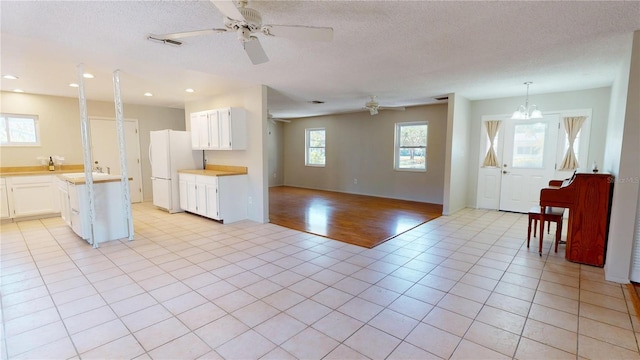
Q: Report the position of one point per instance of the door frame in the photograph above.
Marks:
(137, 144)
(520, 196)
(489, 180)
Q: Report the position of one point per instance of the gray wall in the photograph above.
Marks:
(59, 119)
(595, 99)
(361, 146)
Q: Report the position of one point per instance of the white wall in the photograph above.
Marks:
(275, 145)
(361, 146)
(457, 155)
(254, 101)
(595, 99)
(59, 119)
(622, 159)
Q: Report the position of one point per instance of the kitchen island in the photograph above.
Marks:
(111, 222)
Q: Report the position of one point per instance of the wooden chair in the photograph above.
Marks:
(552, 214)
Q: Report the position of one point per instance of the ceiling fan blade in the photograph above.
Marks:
(255, 51)
(399, 108)
(184, 34)
(228, 8)
(300, 32)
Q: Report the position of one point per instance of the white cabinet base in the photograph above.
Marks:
(222, 198)
(28, 197)
(110, 220)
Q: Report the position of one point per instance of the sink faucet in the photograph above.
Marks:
(98, 168)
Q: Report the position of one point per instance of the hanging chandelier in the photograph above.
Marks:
(525, 111)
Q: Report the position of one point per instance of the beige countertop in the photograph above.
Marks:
(211, 172)
(79, 178)
(38, 170)
(217, 170)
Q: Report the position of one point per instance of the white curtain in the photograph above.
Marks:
(491, 159)
(572, 126)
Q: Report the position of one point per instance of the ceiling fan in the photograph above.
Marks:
(246, 22)
(271, 118)
(373, 106)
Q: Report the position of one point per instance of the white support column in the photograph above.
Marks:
(122, 151)
(85, 130)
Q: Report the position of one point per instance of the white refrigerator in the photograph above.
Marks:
(170, 151)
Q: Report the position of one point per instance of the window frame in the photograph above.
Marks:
(4, 117)
(397, 148)
(308, 147)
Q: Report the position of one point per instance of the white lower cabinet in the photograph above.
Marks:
(220, 198)
(65, 209)
(4, 202)
(110, 220)
(32, 196)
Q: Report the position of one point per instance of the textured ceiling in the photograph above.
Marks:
(405, 52)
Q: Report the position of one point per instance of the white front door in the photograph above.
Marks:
(104, 150)
(528, 161)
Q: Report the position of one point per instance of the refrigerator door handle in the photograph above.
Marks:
(150, 160)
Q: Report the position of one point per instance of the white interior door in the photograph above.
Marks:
(528, 161)
(104, 150)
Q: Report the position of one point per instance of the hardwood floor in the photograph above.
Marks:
(356, 219)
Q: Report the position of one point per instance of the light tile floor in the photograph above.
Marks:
(461, 286)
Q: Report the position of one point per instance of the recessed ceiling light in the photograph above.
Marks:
(74, 85)
(10, 77)
(88, 76)
(18, 90)
(148, 94)
(189, 90)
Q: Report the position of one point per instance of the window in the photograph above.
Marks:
(411, 146)
(315, 147)
(19, 130)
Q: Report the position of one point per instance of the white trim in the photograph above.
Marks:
(396, 146)
(483, 172)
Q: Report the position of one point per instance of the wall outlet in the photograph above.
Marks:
(355, 181)
(250, 200)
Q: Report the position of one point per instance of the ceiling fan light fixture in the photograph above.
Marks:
(525, 111)
(164, 41)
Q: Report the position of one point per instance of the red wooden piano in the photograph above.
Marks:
(588, 198)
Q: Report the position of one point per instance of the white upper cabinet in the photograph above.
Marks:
(219, 129)
(200, 130)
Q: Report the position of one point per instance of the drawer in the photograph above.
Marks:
(207, 180)
(187, 177)
(76, 224)
(74, 202)
(36, 179)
